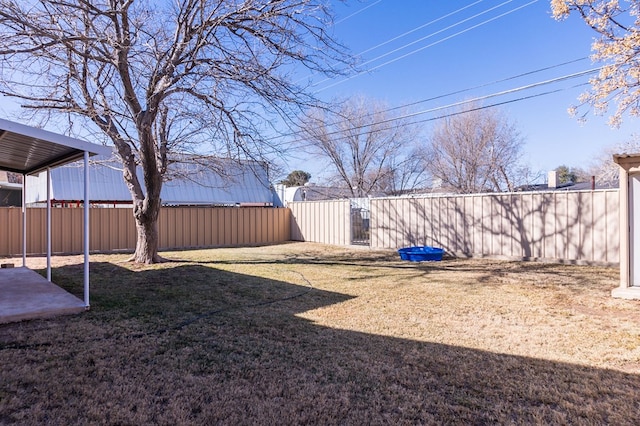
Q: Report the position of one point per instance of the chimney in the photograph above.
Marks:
(552, 180)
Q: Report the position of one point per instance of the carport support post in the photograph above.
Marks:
(24, 220)
(49, 224)
(629, 231)
(86, 229)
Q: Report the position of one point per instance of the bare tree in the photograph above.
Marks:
(605, 170)
(155, 76)
(618, 47)
(405, 174)
(368, 148)
(475, 150)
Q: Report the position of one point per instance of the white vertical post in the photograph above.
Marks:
(634, 229)
(24, 220)
(629, 230)
(86, 229)
(49, 224)
(625, 243)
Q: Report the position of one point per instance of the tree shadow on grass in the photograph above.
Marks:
(196, 345)
(485, 270)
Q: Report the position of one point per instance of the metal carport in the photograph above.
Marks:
(29, 150)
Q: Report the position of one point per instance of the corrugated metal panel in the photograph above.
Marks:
(26, 149)
(241, 184)
(580, 226)
(577, 226)
(327, 222)
(114, 229)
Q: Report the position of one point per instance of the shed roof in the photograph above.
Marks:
(239, 183)
(28, 150)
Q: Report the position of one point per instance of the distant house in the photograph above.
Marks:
(221, 182)
(10, 190)
(312, 192)
(553, 185)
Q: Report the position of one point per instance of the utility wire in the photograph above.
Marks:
(404, 34)
(421, 39)
(457, 92)
(413, 52)
(454, 113)
(480, 86)
(384, 43)
(523, 98)
(428, 36)
(502, 93)
(357, 12)
(469, 101)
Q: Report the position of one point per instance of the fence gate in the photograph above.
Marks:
(360, 215)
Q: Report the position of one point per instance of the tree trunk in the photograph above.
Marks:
(147, 242)
(146, 209)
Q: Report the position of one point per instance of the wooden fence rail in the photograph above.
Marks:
(114, 229)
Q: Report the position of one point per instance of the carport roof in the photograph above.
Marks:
(28, 150)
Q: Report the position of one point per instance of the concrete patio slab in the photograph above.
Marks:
(25, 294)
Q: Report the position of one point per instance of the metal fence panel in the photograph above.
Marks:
(326, 222)
(114, 229)
(573, 226)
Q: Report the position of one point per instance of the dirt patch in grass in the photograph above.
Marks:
(305, 333)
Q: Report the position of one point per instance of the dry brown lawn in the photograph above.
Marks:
(311, 334)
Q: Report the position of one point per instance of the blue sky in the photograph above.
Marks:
(479, 42)
(416, 50)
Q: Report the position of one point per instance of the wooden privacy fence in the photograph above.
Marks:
(114, 229)
(580, 226)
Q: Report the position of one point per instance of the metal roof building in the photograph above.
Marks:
(228, 184)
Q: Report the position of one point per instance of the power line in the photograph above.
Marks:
(480, 86)
(410, 31)
(523, 98)
(457, 92)
(506, 92)
(419, 28)
(469, 101)
(440, 31)
(423, 47)
(454, 113)
(357, 12)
